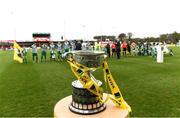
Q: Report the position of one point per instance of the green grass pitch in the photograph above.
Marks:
(33, 89)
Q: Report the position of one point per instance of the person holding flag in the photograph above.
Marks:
(17, 53)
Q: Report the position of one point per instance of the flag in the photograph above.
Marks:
(17, 53)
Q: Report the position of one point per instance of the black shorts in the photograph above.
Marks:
(59, 52)
(124, 49)
(43, 53)
(113, 50)
(34, 54)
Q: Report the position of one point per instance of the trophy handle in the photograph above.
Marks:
(67, 55)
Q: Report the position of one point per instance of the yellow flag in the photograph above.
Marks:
(17, 53)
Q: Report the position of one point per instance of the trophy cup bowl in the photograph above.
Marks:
(91, 59)
(83, 101)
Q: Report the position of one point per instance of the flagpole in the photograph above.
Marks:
(13, 24)
(64, 37)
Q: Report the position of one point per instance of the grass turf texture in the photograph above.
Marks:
(33, 89)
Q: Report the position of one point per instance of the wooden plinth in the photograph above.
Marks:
(61, 110)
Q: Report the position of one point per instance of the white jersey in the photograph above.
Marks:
(34, 49)
(59, 47)
(52, 47)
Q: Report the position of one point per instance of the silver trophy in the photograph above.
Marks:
(83, 101)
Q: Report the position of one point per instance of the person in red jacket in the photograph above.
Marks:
(113, 47)
(124, 47)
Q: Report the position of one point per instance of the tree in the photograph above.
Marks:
(163, 37)
(103, 38)
(129, 35)
(122, 36)
(176, 37)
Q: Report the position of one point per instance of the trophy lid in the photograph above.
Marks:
(88, 53)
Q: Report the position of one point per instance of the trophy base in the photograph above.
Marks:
(61, 110)
(83, 101)
(87, 112)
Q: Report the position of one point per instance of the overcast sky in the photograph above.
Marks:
(87, 18)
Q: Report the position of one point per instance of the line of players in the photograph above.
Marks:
(61, 48)
(135, 49)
